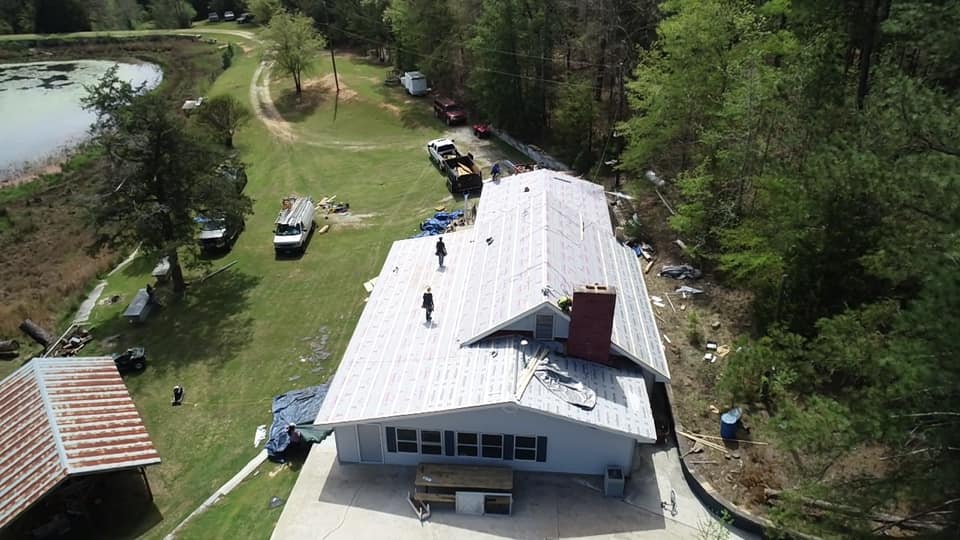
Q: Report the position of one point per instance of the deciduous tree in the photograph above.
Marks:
(162, 174)
(294, 44)
(223, 115)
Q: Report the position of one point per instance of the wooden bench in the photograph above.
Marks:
(423, 497)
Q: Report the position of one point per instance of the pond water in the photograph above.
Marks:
(40, 110)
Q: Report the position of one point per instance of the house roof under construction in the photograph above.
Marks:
(61, 417)
(518, 257)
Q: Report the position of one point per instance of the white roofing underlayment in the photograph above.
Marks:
(550, 232)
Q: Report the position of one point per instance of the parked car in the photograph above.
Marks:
(133, 359)
(293, 225)
(213, 17)
(218, 233)
(449, 111)
(228, 16)
(245, 18)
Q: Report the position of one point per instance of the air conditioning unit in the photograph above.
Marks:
(613, 482)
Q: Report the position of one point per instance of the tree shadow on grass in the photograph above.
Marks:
(210, 323)
(413, 112)
(295, 108)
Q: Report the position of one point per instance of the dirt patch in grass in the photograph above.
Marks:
(393, 109)
(295, 108)
(348, 219)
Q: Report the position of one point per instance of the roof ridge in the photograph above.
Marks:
(40, 376)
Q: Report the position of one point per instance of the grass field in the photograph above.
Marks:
(243, 336)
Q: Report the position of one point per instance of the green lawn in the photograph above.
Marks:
(238, 339)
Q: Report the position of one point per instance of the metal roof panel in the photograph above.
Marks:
(65, 416)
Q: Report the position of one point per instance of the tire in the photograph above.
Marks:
(139, 365)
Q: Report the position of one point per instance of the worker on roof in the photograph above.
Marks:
(428, 304)
(441, 250)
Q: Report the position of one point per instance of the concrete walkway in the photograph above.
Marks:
(224, 489)
(333, 501)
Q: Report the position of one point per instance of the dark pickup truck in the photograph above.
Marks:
(449, 111)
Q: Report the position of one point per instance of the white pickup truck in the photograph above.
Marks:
(462, 173)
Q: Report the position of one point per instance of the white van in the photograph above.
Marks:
(294, 225)
(415, 83)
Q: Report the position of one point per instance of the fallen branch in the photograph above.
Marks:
(704, 442)
(215, 272)
(735, 440)
(665, 203)
(936, 413)
(913, 517)
(671, 302)
(879, 517)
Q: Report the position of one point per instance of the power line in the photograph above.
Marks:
(458, 64)
(491, 49)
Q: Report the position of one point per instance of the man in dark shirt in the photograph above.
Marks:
(428, 303)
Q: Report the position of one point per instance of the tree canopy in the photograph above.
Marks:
(813, 145)
(162, 174)
(293, 44)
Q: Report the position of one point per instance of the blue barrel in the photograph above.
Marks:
(728, 423)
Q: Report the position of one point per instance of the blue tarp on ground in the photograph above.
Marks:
(294, 407)
(438, 223)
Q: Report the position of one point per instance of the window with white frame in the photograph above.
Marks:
(407, 441)
(491, 446)
(430, 443)
(524, 448)
(544, 328)
(467, 444)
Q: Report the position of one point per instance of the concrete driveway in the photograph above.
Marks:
(332, 501)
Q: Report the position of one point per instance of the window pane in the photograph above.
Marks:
(527, 455)
(463, 450)
(407, 435)
(467, 438)
(408, 447)
(496, 440)
(431, 449)
(525, 442)
(493, 452)
(430, 436)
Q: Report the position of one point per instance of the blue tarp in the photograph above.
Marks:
(294, 407)
(438, 223)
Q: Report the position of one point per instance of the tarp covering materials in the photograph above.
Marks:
(295, 407)
(438, 223)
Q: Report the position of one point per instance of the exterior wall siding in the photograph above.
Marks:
(348, 450)
(571, 448)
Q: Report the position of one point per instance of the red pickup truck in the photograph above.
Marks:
(449, 111)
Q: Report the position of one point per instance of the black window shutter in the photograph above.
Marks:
(541, 448)
(391, 439)
(448, 444)
(508, 447)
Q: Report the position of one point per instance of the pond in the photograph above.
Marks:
(40, 110)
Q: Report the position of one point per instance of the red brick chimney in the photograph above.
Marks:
(591, 323)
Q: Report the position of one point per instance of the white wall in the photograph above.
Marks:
(347, 449)
(571, 448)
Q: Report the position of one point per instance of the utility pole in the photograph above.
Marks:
(336, 79)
